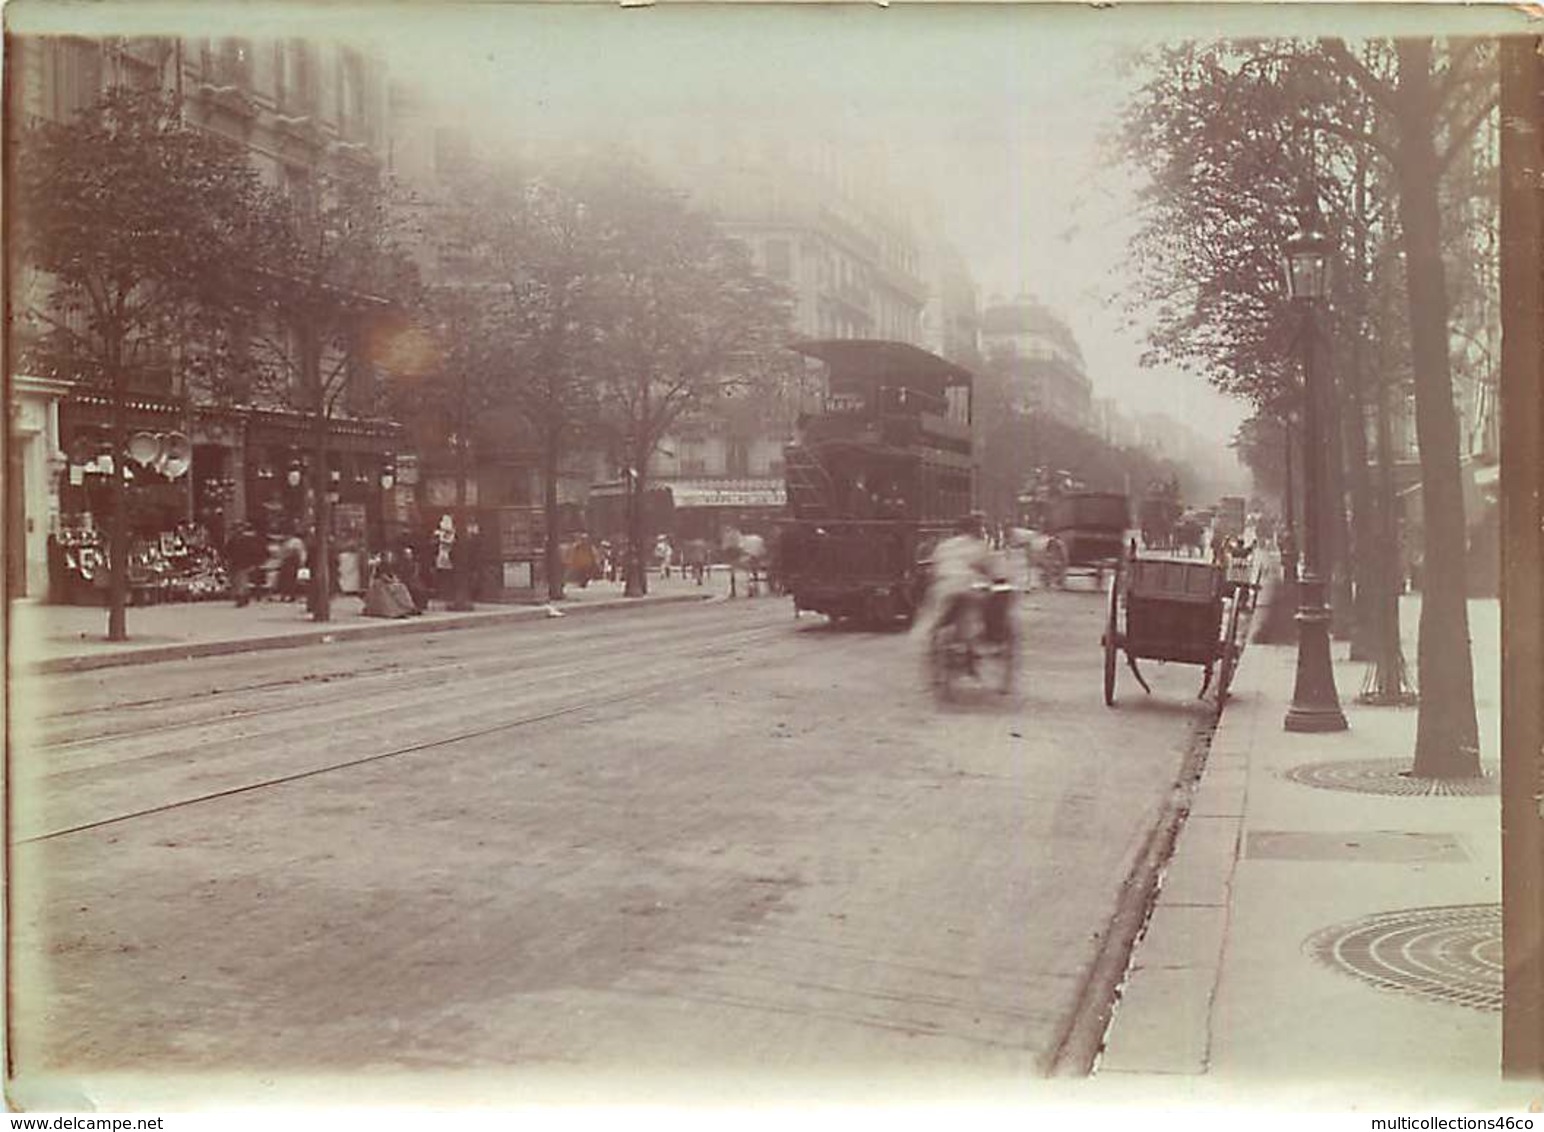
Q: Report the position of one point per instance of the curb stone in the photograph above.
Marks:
(335, 635)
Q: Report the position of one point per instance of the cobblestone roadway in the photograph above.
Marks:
(691, 840)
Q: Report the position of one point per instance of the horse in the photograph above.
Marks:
(1043, 553)
(1190, 537)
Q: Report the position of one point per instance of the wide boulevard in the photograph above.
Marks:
(689, 839)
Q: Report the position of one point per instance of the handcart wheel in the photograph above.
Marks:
(1111, 641)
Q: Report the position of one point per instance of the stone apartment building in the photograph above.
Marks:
(861, 255)
(860, 259)
(298, 107)
(1041, 357)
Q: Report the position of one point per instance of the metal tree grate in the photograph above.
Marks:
(1390, 777)
(1450, 954)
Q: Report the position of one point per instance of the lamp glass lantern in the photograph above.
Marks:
(1306, 261)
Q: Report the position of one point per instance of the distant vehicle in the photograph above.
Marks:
(875, 480)
(1087, 535)
(1230, 517)
(1160, 509)
(1189, 533)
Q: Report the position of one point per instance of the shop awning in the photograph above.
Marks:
(727, 493)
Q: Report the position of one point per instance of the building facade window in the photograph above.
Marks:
(737, 460)
(77, 78)
(295, 77)
(229, 62)
(352, 117)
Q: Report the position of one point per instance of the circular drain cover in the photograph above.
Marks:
(1449, 954)
(1389, 776)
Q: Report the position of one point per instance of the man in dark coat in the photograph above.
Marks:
(243, 554)
(464, 548)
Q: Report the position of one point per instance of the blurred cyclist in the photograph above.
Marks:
(964, 566)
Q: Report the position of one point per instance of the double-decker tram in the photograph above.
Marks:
(874, 480)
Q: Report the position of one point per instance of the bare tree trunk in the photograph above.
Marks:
(118, 497)
(1361, 565)
(1387, 683)
(1337, 534)
(1362, 560)
(460, 596)
(1388, 680)
(321, 478)
(549, 470)
(637, 568)
(1447, 732)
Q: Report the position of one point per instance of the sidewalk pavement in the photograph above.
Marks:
(69, 638)
(1239, 991)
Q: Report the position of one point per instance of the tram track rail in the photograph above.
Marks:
(340, 714)
(655, 680)
(322, 685)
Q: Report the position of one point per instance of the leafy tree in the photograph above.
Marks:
(542, 253)
(132, 227)
(332, 270)
(1218, 129)
(444, 381)
(1434, 101)
(1261, 444)
(1214, 129)
(683, 318)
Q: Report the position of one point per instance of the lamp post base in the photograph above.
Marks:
(1315, 703)
(1315, 719)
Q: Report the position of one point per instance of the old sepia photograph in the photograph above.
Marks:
(770, 555)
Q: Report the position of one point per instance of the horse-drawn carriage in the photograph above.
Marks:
(1172, 610)
(1157, 514)
(1085, 532)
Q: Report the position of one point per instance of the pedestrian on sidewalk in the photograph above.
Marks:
(464, 564)
(582, 567)
(696, 555)
(444, 565)
(292, 560)
(407, 567)
(387, 596)
(243, 554)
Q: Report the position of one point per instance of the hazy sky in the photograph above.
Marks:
(999, 108)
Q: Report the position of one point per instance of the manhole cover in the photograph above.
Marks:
(1389, 776)
(1449, 954)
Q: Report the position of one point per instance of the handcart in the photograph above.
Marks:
(1179, 611)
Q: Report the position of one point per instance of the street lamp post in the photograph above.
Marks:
(1315, 703)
